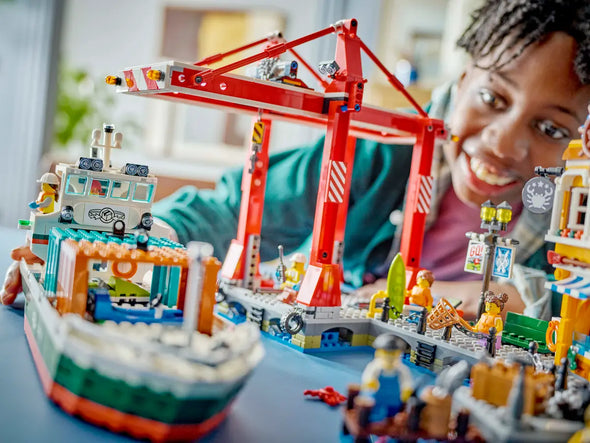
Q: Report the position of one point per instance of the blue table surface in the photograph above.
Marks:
(270, 408)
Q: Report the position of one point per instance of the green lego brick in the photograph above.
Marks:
(138, 400)
(520, 330)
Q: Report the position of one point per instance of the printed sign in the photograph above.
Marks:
(503, 261)
(475, 257)
(537, 195)
(101, 215)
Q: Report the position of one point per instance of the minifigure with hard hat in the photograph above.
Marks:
(386, 379)
(294, 275)
(48, 196)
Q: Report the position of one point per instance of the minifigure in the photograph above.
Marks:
(420, 294)
(491, 317)
(48, 195)
(294, 274)
(386, 379)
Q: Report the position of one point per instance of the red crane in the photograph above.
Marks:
(340, 110)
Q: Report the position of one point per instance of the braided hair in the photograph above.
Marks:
(513, 25)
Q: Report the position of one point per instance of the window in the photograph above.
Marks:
(210, 135)
(120, 190)
(99, 187)
(578, 209)
(76, 184)
(143, 192)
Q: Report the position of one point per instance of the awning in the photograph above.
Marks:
(578, 287)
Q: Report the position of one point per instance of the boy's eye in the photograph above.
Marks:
(549, 128)
(490, 99)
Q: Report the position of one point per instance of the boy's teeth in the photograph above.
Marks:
(484, 174)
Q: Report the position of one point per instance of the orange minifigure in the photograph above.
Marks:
(48, 196)
(491, 316)
(420, 294)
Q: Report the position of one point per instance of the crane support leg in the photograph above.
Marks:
(240, 256)
(418, 200)
(321, 285)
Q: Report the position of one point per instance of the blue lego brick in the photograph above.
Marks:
(104, 310)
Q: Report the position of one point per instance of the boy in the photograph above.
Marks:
(515, 107)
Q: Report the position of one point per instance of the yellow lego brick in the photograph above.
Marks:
(573, 252)
(361, 340)
(573, 151)
(258, 132)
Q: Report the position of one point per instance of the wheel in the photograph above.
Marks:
(96, 165)
(142, 171)
(85, 163)
(146, 221)
(130, 169)
(66, 215)
(292, 321)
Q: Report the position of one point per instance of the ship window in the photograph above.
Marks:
(76, 184)
(578, 209)
(120, 189)
(99, 187)
(143, 192)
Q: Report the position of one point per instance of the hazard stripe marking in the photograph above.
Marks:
(257, 132)
(337, 181)
(424, 194)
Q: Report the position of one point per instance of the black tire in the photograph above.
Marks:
(292, 321)
(146, 221)
(143, 171)
(66, 214)
(96, 165)
(85, 163)
(130, 169)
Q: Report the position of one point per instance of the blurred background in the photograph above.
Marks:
(55, 55)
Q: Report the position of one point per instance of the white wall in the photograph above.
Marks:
(28, 49)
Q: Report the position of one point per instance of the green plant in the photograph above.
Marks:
(80, 106)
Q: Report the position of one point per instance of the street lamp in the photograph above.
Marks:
(495, 219)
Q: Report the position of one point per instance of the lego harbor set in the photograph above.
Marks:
(134, 332)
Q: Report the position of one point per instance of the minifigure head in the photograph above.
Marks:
(388, 350)
(298, 260)
(495, 303)
(521, 98)
(424, 278)
(49, 182)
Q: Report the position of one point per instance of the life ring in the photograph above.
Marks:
(550, 333)
(121, 274)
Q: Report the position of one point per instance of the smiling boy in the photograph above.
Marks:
(516, 106)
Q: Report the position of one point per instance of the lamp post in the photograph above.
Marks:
(495, 219)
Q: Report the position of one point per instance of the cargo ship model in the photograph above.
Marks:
(120, 322)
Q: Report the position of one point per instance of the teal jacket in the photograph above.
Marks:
(378, 185)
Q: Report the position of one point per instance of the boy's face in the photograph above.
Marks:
(510, 120)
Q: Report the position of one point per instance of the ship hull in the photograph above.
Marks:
(112, 394)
